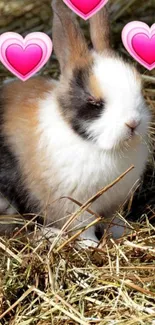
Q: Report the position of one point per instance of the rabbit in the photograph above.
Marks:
(68, 138)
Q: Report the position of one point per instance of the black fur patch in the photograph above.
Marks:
(83, 107)
(11, 181)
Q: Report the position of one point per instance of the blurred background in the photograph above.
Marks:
(120, 292)
(25, 16)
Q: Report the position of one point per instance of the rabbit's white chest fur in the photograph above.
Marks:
(78, 169)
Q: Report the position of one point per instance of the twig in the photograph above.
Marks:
(52, 303)
(7, 250)
(78, 234)
(25, 294)
(134, 286)
(86, 205)
(148, 78)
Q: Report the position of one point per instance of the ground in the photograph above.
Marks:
(61, 283)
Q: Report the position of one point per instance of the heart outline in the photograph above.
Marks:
(37, 38)
(128, 33)
(82, 15)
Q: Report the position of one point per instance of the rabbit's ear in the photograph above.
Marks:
(100, 31)
(69, 42)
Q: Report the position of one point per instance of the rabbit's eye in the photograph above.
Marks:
(97, 103)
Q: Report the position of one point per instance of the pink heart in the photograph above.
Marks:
(30, 57)
(144, 47)
(85, 8)
(24, 57)
(139, 40)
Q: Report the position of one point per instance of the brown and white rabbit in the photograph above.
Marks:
(73, 137)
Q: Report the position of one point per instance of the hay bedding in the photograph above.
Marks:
(64, 284)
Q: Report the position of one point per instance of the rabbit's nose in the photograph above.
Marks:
(132, 125)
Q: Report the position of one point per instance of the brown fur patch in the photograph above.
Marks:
(69, 43)
(30, 89)
(22, 102)
(100, 31)
(95, 87)
(21, 129)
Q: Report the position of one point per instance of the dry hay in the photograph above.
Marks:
(43, 283)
